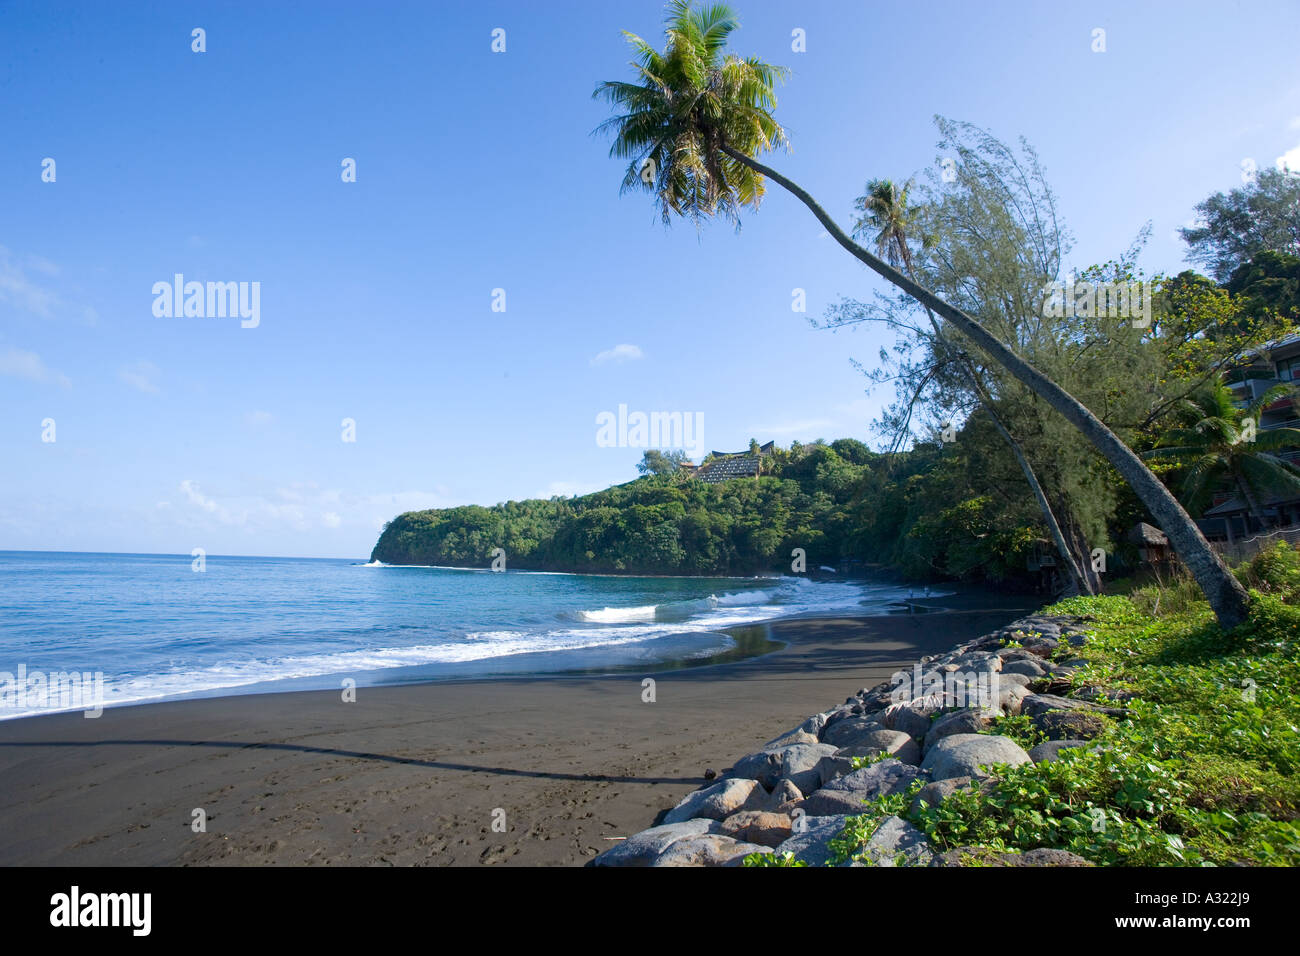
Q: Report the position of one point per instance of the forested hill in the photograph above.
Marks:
(659, 524)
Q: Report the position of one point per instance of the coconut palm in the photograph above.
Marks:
(701, 117)
(1220, 443)
(884, 212)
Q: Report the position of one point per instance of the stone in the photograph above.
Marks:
(1027, 668)
(910, 720)
(790, 738)
(811, 838)
(1036, 704)
(757, 826)
(969, 755)
(847, 794)
(1020, 680)
(1011, 698)
(799, 764)
(935, 793)
(784, 794)
(983, 856)
(640, 849)
(1050, 750)
(896, 842)
(895, 742)
(849, 733)
(708, 849)
(719, 801)
(967, 721)
(1070, 725)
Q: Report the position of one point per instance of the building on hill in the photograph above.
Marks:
(724, 466)
(1276, 363)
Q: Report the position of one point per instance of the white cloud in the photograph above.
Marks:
(619, 354)
(196, 497)
(258, 417)
(331, 519)
(20, 291)
(1290, 160)
(1294, 124)
(28, 365)
(140, 376)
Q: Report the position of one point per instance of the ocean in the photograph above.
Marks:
(157, 629)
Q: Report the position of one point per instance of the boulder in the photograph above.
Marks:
(1027, 668)
(757, 826)
(790, 738)
(935, 793)
(1036, 704)
(896, 843)
(707, 849)
(911, 720)
(785, 794)
(811, 838)
(719, 801)
(797, 763)
(968, 755)
(847, 794)
(1011, 696)
(983, 856)
(1020, 680)
(640, 849)
(1050, 750)
(968, 721)
(851, 732)
(1070, 725)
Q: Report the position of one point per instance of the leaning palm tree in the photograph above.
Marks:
(884, 212)
(692, 125)
(1221, 444)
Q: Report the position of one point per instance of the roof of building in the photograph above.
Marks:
(731, 466)
(1143, 533)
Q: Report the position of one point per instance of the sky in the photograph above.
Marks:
(481, 293)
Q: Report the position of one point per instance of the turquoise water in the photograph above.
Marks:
(156, 628)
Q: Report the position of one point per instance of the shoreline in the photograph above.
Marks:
(418, 774)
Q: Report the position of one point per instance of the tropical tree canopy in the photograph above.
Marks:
(690, 100)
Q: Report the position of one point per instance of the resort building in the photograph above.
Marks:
(724, 466)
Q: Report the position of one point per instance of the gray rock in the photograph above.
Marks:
(1070, 724)
(757, 826)
(847, 794)
(784, 793)
(1050, 750)
(1027, 668)
(968, 721)
(911, 720)
(934, 794)
(764, 766)
(719, 801)
(897, 843)
(848, 733)
(640, 849)
(1011, 697)
(1037, 704)
(983, 856)
(967, 755)
(811, 838)
(790, 738)
(1020, 680)
(895, 742)
(799, 764)
(707, 849)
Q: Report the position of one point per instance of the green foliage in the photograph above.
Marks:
(659, 524)
(1203, 770)
(771, 859)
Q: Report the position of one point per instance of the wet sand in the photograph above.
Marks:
(418, 774)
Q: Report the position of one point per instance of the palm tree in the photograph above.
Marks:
(700, 117)
(1218, 447)
(885, 211)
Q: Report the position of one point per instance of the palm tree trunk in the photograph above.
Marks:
(1223, 591)
(1078, 582)
(1255, 510)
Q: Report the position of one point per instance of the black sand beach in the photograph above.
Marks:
(416, 775)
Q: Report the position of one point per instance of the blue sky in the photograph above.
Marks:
(478, 171)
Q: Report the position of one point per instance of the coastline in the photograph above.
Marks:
(416, 774)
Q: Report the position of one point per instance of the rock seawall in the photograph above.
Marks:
(926, 725)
